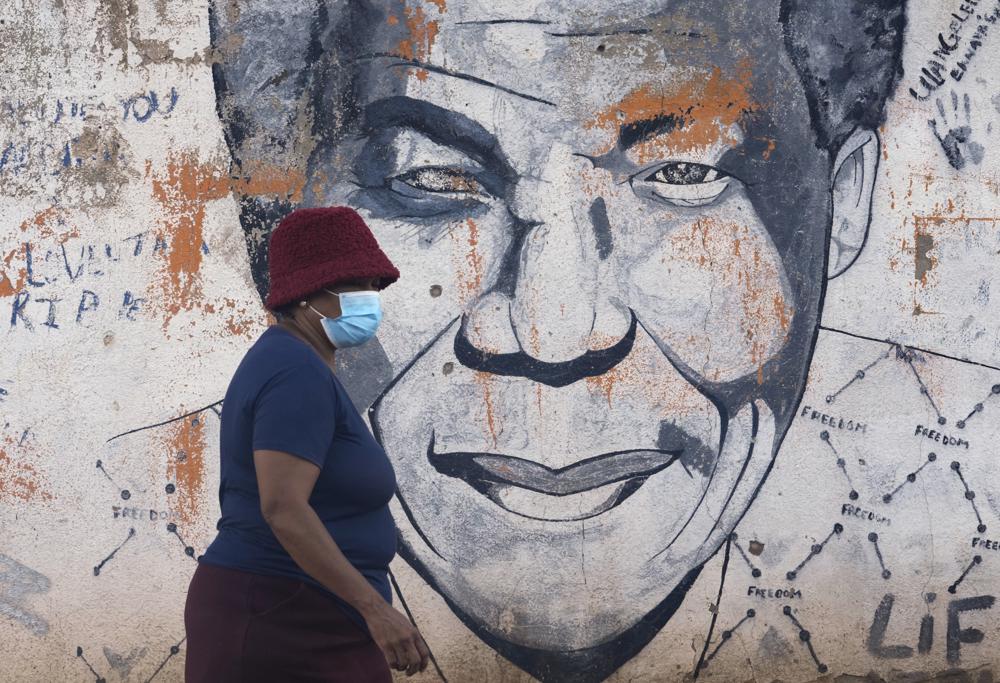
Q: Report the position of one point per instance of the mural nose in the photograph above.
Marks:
(589, 363)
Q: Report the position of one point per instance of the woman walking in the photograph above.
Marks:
(295, 585)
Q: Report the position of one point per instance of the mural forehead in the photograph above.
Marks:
(691, 346)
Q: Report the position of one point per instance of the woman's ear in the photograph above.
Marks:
(854, 174)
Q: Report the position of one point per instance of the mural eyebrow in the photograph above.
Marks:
(502, 21)
(433, 68)
(598, 33)
(639, 131)
(443, 126)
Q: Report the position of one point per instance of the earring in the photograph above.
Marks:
(302, 304)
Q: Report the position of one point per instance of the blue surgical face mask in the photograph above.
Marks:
(360, 314)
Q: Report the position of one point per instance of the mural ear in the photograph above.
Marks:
(854, 174)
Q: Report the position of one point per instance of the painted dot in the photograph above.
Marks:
(829, 399)
(181, 456)
(887, 498)
(886, 573)
(601, 48)
(955, 465)
(436, 290)
(837, 528)
(873, 537)
(969, 495)
(126, 495)
(171, 527)
(734, 536)
(97, 571)
(840, 462)
(99, 464)
(751, 613)
(786, 610)
(755, 573)
(953, 589)
(108, 338)
(860, 374)
(853, 495)
(448, 367)
(930, 597)
(825, 435)
(931, 457)
(979, 407)
(174, 649)
(923, 390)
(822, 668)
(804, 636)
(977, 559)
(981, 528)
(170, 488)
(790, 576)
(189, 551)
(911, 477)
(756, 547)
(960, 424)
(195, 422)
(816, 549)
(996, 388)
(79, 651)
(726, 635)
(942, 421)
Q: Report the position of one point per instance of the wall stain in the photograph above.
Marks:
(185, 444)
(20, 480)
(183, 189)
(423, 32)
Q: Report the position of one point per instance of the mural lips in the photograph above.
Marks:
(587, 488)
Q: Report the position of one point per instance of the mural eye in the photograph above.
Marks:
(683, 183)
(685, 173)
(439, 180)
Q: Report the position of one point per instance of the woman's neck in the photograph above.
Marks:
(310, 336)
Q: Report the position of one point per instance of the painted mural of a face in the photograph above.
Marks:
(630, 211)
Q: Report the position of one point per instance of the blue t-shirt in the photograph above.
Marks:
(283, 397)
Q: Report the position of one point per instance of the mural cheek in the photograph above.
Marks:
(716, 293)
(445, 267)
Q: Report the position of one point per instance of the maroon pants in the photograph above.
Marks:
(248, 628)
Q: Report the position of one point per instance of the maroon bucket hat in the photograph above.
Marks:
(315, 248)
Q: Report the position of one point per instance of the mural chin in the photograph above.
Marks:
(647, 482)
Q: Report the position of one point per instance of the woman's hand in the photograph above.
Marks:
(400, 642)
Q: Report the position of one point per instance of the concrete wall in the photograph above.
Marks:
(692, 370)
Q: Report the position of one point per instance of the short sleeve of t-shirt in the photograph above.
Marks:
(296, 412)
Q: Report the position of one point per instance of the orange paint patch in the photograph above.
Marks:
(708, 108)
(418, 45)
(470, 269)
(11, 284)
(241, 322)
(19, 480)
(49, 223)
(485, 381)
(185, 443)
(183, 191)
(605, 384)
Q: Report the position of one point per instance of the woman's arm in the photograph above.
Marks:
(286, 482)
